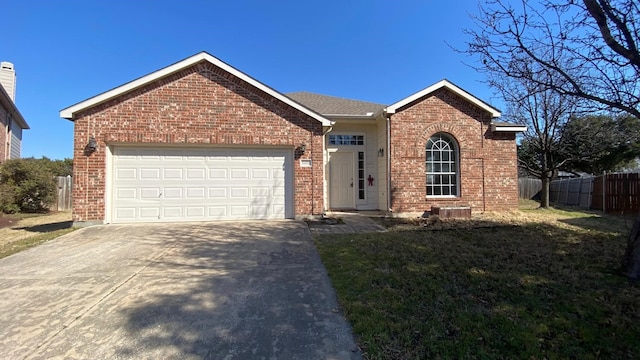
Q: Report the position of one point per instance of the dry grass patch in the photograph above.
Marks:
(545, 286)
(22, 231)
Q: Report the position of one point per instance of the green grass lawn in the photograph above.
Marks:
(544, 288)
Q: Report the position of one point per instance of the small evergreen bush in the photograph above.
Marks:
(26, 185)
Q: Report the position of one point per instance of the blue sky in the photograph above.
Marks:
(380, 51)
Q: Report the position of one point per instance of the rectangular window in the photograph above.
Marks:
(346, 139)
(361, 185)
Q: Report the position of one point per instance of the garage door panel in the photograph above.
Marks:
(242, 193)
(218, 174)
(126, 193)
(258, 192)
(126, 213)
(150, 174)
(173, 193)
(149, 213)
(195, 193)
(195, 211)
(217, 212)
(195, 173)
(217, 193)
(261, 173)
(199, 184)
(124, 173)
(170, 173)
(239, 211)
(175, 212)
(150, 193)
(239, 174)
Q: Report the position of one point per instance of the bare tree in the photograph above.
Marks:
(545, 113)
(587, 49)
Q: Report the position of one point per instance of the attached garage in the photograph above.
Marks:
(196, 184)
(197, 140)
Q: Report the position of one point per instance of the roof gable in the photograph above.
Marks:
(7, 103)
(391, 109)
(335, 106)
(69, 112)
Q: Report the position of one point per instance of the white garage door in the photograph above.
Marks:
(174, 184)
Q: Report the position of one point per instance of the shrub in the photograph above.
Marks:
(27, 186)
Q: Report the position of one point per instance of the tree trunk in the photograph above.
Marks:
(631, 261)
(544, 193)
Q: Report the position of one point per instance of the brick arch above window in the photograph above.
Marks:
(452, 130)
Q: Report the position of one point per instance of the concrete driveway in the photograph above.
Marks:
(223, 290)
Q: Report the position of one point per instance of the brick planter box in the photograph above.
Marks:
(449, 212)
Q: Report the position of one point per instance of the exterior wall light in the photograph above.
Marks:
(92, 146)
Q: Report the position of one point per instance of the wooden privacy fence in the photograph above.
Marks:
(64, 193)
(529, 188)
(574, 192)
(611, 193)
(616, 193)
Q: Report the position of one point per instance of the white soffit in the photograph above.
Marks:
(69, 112)
(391, 109)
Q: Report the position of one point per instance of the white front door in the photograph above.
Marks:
(341, 181)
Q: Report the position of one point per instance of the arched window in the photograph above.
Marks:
(442, 166)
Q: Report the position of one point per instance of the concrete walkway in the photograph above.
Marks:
(354, 222)
(223, 290)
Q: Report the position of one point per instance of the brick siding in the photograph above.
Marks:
(200, 105)
(488, 161)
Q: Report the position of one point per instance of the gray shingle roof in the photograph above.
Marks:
(331, 105)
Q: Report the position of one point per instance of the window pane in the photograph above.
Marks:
(441, 166)
(430, 179)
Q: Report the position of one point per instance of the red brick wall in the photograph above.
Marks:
(488, 162)
(200, 105)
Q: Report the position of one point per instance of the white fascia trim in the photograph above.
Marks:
(391, 109)
(70, 111)
(499, 128)
(349, 116)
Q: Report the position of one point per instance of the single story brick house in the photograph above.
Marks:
(200, 140)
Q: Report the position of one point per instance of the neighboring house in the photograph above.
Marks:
(200, 140)
(11, 121)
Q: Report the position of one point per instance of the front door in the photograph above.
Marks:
(341, 194)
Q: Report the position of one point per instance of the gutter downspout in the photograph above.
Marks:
(389, 210)
(325, 160)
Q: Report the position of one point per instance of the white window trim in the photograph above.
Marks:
(355, 133)
(457, 172)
